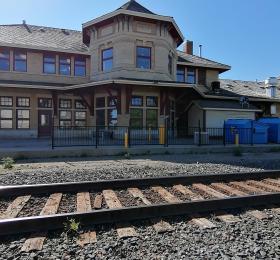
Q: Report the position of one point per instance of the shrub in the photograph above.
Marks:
(7, 162)
(237, 151)
(71, 227)
(127, 156)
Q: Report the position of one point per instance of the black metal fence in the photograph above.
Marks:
(99, 136)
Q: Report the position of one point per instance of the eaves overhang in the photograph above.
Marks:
(108, 16)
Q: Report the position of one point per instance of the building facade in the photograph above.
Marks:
(122, 69)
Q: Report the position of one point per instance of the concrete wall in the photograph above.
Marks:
(35, 70)
(216, 118)
(123, 35)
(195, 115)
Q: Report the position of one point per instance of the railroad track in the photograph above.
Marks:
(123, 201)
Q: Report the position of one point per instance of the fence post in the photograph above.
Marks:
(128, 136)
(224, 134)
(252, 133)
(52, 136)
(199, 133)
(166, 134)
(96, 136)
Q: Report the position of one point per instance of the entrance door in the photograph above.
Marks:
(44, 123)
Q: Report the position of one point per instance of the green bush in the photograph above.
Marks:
(7, 162)
(237, 151)
(71, 227)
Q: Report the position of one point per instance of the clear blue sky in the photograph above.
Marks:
(242, 33)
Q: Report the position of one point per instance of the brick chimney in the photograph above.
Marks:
(188, 47)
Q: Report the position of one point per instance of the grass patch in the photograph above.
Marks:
(8, 162)
(237, 151)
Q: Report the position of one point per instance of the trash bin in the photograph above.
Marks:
(273, 124)
(247, 130)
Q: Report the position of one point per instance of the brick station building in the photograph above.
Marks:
(122, 69)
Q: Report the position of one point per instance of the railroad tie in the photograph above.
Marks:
(236, 192)
(84, 205)
(159, 226)
(270, 187)
(113, 202)
(273, 182)
(15, 207)
(167, 196)
(247, 188)
(36, 241)
(221, 215)
(97, 204)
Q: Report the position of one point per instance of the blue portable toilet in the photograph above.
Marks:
(274, 128)
(249, 131)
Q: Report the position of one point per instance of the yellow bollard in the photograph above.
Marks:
(150, 135)
(161, 135)
(237, 139)
(126, 140)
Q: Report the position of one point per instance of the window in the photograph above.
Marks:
(80, 118)
(107, 60)
(79, 104)
(191, 76)
(6, 118)
(23, 119)
(65, 66)
(170, 64)
(80, 66)
(152, 118)
(6, 101)
(65, 103)
(152, 102)
(136, 118)
(181, 74)
(143, 59)
(45, 102)
(65, 118)
(20, 61)
(112, 101)
(100, 117)
(112, 117)
(5, 59)
(137, 101)
(23, 102)
(49, 64)
(100, 102)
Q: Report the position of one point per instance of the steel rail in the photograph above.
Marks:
(109, 216)
(19, 190)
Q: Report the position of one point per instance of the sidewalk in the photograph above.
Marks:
(41, 148)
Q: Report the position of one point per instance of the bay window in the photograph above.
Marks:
(191, 76)
(5, 59)
(180, 74)
(20, 61)
(65, 65)
(107, 60)
(143, 57)
(49, 64)
(80, 66)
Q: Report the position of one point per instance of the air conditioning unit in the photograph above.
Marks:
(216, 85)
(204, 138)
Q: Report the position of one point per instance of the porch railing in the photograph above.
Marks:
(100, 136)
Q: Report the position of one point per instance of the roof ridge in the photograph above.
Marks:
(41, 26)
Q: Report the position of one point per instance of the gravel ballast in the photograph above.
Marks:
(248, 239)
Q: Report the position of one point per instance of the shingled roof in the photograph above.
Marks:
(188, 59)
(247, 88)
(43, 38)
(136, 7)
